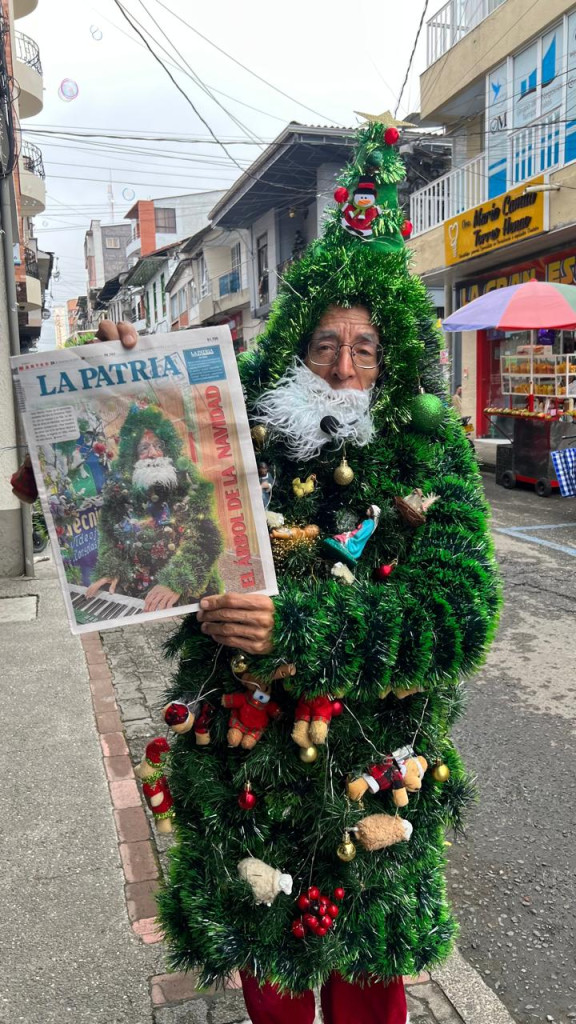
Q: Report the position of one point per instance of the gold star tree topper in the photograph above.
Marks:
(386, 118)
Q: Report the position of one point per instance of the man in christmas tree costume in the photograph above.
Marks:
(344, 389)
(158, 537)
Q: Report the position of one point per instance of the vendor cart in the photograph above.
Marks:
(526, 459)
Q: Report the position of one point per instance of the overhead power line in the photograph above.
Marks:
(243, 66)
(408, 69)
(193, 74)
(174, 82)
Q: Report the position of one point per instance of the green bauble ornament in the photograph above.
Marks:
(375, 158)
(427, 413)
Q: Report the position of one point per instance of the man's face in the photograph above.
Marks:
(150, 446)
(345, 328)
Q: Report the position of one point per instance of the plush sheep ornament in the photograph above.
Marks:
(265, 881)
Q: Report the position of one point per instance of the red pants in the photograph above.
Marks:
(342, 1003)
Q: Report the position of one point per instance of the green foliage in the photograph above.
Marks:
(426, 626)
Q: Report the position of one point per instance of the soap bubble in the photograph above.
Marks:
(68, 90)
(96, 33)
(128, 194)
(45, 223)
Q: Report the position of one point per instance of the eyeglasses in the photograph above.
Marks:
(366, 355)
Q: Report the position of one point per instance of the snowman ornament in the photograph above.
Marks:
(360, 212)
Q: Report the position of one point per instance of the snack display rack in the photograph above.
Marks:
(539, 374)
(534, 435)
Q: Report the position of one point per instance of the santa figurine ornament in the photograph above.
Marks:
(155, 784)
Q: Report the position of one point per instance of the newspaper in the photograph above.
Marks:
(146, 474)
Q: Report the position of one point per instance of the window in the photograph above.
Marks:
(174, 307)
(236, 256)
(155, 301)
(204, 279)
(182, 300)
(112, 243)
(163, 293)
(262, 266)
(165, 220)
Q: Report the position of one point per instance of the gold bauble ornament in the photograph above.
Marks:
(309, 754)
(441, 772)
(259, 433)
(343, 474)
(346, 851)
(239, 665)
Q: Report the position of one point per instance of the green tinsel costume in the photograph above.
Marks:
(161, 535)
(427, 625)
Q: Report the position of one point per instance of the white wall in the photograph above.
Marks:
(325, 184)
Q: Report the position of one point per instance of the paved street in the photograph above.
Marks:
(512, 879)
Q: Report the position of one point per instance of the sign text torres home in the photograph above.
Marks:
(508, 218)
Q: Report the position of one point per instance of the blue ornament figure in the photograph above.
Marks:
(349, 546)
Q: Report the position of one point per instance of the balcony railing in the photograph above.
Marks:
(27, 51)
(532, 150)
(229, 283)
(443, 198)
(454, 21)
(32, 159)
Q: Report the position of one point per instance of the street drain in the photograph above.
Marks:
(18, 609)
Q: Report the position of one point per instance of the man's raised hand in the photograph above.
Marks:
(245, 621)
(121, 331)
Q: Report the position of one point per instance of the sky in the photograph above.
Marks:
(325, 56)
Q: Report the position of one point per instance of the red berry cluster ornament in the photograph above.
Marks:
(318, 912)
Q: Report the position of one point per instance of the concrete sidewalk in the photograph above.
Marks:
(81, 861)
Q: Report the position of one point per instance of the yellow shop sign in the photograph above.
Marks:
(508, 218)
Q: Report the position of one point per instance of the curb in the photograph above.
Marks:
(137, 851)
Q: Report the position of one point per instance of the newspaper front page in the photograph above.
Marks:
(146, 474)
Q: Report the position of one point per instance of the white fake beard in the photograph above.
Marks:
(300, 400)
(158, 472)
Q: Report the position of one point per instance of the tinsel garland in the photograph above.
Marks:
(426, 626)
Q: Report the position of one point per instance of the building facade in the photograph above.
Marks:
(155, 223)
(210, 285)
(24, 268)
(500, 80)
(277, 206)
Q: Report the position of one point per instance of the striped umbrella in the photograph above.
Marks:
(520, 307)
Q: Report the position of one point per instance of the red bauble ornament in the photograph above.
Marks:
(303, 902)
(298, 930)
(382, 572)
(337, 708)
(333, 910)
(314, 892)
(407, 229)
(321, 931)
(176, 713)
(339, 893)
(247, 799)
(391, 136)
(326, 921)
(341, 194)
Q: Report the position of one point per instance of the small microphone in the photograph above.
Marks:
(330, 425)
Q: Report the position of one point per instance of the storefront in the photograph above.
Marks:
(507, 238)
(503, 361)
